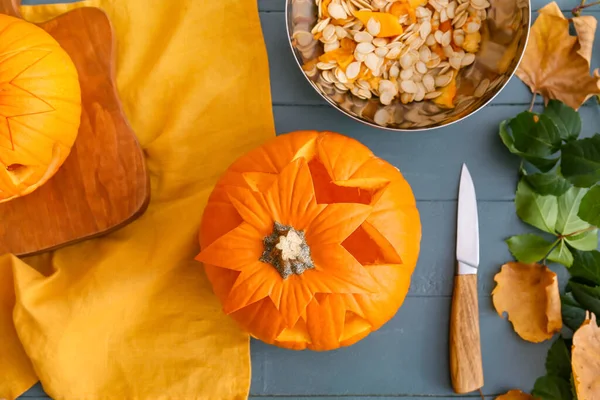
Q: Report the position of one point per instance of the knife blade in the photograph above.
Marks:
(465, 346)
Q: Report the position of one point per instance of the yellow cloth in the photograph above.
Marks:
(131, 315)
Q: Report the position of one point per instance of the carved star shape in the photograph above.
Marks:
(291, 201)
(15, 100)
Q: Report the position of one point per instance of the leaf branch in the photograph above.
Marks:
(577, 10)
(532, 104)
(589, 229)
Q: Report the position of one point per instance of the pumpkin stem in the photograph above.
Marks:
(287, 251)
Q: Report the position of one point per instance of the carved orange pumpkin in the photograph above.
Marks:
(40, 107)
(310, 241)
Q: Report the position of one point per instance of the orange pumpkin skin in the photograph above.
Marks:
(355, 212)
(40, 107)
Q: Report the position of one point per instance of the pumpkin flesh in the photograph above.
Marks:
(360, 223)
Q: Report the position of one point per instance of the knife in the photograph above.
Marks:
(465, 347)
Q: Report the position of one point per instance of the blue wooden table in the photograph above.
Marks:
(408, 357)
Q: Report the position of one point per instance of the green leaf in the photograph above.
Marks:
(552, 388)
(536, 210)
(586, 266)
(568, 206)
(587, 296)
(529, 248)
(558, 360)
(573, 313)
(542, 163)
(549, 183)
(566, 119)
(590, 206)
(581, 161)
(562, 255)
(534, 134)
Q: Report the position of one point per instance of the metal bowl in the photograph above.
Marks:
(504, 37)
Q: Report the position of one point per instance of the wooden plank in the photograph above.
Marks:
(431, 160)
(408, 356)
(103, 184)
(279, 5)
(288, 85)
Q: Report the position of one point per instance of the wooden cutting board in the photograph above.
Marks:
(103, 184)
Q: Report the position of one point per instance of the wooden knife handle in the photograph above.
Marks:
(465, 347)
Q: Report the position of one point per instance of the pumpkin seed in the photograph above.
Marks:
(380, 4)
(373, 27)
(381, 51)
(346, 8)
(382, 117)
(420, 95)
(359, 56)
(446, 39)
(434, 62)
(365, 94)
(406, 61)
(461, 8)
(443, 16)
(380, 42)
(429, 82)
(340, 32)
(451, 9)
(362, 4)
(408, 86)
(303, 38)
(458, 36)
(362, 84)
(365, 48)
(421, 67)
(455, 62)
(341, 87)
(336, 11)
(394, 71)
(363, 37)
(394, 53)
(439, 35)
(432, 95)
(373, 62)
(443, 80)
(353, 70)
(326, 66)
(425, 30)
(445, 68)
(425, 54)
(430, 41)
(320, 26)
(460, 20)
(406, 74)
(406, 98)
(331, 46)
(387, 86)
(480, 4)
(340, 75)
(472, 27)
(482, 88)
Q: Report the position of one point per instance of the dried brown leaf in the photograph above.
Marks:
(515, 395)
(529, 294)
(585, 360)
(556, 64)
(586, 31)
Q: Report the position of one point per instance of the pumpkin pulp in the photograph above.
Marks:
(287, 251)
